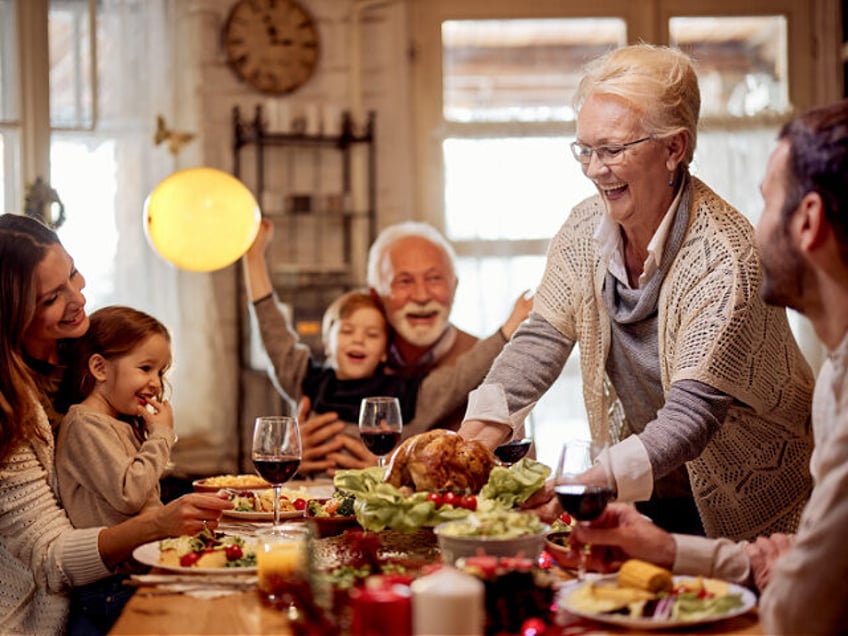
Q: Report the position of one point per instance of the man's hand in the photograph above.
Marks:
(763, 553)
(627, 534)
(357, 455)
(520, 311)
(543, 503)
(320, 437)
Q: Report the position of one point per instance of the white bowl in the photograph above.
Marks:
(454, 547)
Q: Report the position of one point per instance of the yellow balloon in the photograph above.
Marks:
(201, 219)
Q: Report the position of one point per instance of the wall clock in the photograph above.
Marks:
(271, 44)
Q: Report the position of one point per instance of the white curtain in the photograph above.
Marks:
(138, 56)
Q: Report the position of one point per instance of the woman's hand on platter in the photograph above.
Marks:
(190, 514)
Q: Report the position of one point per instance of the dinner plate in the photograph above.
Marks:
(249, 515)
(148, 554)
(749, 600)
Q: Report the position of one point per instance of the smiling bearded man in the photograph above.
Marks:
(411, 269)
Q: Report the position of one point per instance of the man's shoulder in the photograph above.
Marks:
(463, 341)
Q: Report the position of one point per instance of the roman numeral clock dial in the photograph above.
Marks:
(271, 44)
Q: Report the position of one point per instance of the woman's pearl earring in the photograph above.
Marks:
(671, 180)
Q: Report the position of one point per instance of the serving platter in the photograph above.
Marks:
(749, 600)
(148, 554)
(249, 515)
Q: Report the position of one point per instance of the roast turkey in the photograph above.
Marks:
(440, 460)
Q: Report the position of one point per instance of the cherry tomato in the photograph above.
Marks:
(437, 498)
(299, 504)
(450, 498)
(566, 518)
(233, 552)
(187, 560)
(469, 502)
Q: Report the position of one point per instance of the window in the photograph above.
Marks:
(494, 131)
(10, 160)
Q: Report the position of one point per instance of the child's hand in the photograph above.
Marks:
(157, 412)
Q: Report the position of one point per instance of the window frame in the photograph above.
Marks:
(814, 74)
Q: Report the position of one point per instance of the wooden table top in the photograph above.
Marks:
(152, 610)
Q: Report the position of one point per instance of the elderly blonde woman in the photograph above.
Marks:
(697, 383)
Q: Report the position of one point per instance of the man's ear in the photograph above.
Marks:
(97, 367)
(809, 223)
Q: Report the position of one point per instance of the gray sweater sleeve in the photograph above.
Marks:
(288, 356)
(692, 413)
(530, 363)
(534, 358)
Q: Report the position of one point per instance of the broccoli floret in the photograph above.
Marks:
(346, 507)
(314, 508)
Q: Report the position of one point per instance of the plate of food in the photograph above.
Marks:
(229, 482)
(206, 552)
(258, 505)
(331, 516)
(644, 596)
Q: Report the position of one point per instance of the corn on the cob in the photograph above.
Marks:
(645, 576)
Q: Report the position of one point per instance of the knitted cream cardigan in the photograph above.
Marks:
(41, 554)
(752, 477)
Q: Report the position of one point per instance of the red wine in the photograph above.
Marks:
(513, 451)
(582, 502)
(380, 442)
(276, 469)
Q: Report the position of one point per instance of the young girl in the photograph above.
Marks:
(114, 444)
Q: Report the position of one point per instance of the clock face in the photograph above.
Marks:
(271, 44)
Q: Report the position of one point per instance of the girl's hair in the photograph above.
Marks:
(659, 81)
(23, 245)
(345, 305)
(114, 332)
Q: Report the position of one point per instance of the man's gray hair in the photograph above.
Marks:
(391, 235)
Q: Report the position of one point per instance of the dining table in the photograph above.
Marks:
(168, 603)
(171, 609)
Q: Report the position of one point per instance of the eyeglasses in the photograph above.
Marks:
(608, 154)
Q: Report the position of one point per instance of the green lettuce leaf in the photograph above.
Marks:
(514, 485)
(381, 506)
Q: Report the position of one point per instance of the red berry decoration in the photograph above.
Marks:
(533, 627)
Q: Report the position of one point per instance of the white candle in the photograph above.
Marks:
(448, 603)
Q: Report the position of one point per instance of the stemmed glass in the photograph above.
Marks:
(582, 494)
(276, 453)
(380, 425)
(513, 450)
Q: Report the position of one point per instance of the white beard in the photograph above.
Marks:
(423, 335)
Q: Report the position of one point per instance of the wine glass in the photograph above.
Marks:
(276, 453)
(582, 493)
(513, 450)
(380, 425)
